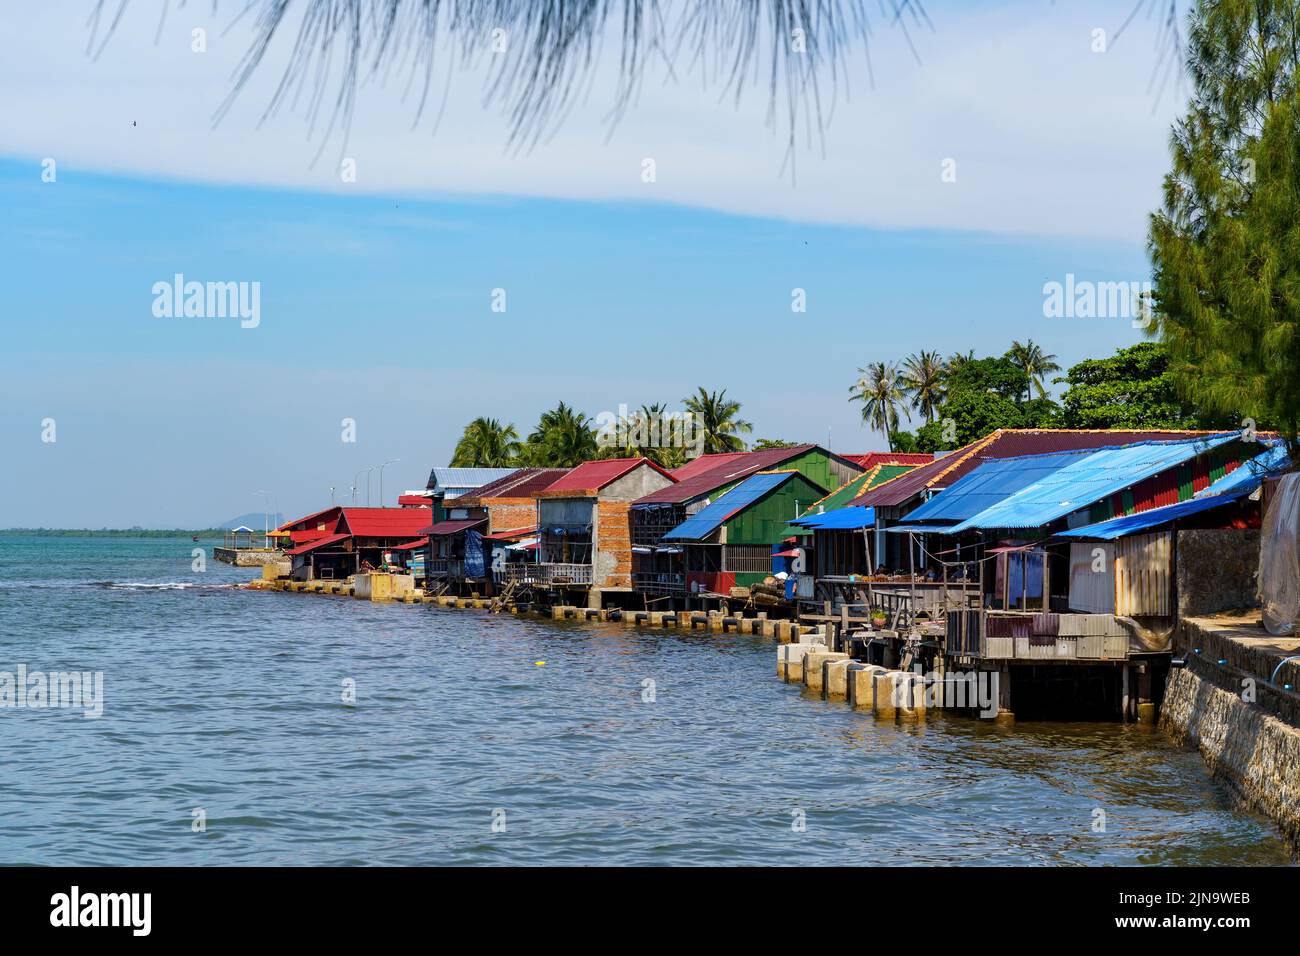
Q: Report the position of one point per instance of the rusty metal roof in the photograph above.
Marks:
(586, 480)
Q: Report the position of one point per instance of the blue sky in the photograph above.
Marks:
(376, 300)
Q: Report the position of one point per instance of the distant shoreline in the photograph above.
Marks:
(114, 533)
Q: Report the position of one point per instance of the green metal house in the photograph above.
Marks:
(730, 542)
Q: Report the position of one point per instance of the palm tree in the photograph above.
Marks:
(880, 392)
(649, 433)
(716, 415)
(923, 377)
(1034, 362)
(957, 359)
(563, 438)
(486, 443)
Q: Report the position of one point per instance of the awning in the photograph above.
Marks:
(513, 534)
(320, 543)
(792, 553)
(841, 519)
(919, 528)
(1131, 524)
(444, 528)
(529, 545)
(411, 545)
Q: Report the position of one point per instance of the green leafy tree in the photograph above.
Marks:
(984, 395)
(904, 442)
(1134, 388)
(923, 379)
(880, 390)
(1224, 244)
(647, 433)
(719, 417)
(763, 443)
(486, 443)
(563, 438)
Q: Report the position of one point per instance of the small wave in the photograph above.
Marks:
(158, 586)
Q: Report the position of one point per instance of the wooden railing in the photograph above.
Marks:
(545, 575)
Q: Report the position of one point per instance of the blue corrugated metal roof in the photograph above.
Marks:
(1131, 524)
(850, 518)
(1087, 480)
(1251, 474)
(919, 528)
(709, 518)
(992, 481)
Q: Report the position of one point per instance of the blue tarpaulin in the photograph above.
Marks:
(1131, 524)
(474, 560)
(841, 519)
(1087, 480)
(709, 518)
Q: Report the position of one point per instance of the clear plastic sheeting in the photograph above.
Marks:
(1279, 560)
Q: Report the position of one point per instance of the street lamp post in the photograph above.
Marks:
(355, 479)
(368, 471)
(391, 461)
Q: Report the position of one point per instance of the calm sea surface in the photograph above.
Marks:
(231, 701)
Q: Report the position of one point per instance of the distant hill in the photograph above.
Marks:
(254, 520)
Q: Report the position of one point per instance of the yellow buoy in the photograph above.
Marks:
(540, 663)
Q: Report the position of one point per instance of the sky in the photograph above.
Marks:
(376, 295)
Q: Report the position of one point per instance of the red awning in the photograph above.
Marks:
(444, 528)
(514, 534)
(319, 543)
(410, 545)
(792, 553)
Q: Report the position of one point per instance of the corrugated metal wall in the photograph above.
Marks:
(1143, 580)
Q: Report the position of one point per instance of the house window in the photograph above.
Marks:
(747, 558)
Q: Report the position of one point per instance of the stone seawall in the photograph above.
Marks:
(1256, 753)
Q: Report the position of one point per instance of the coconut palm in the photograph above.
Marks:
(1030, 358)
(957, 359)
(880, 391)
(647, 433)
(923, 378)
(486, 443)
(563, 438)
(717, 416)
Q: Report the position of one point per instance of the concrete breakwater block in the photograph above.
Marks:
(858, 683)
(793, 656)
(835, 678)
(885, 692)
(812, 667)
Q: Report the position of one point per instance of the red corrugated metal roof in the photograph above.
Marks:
(524, 483)
(302, 537)
(703, 463)
(384, 522)
(873, 458)
(729, 472)
(1004, 443)
(443, 528)
(414, 501)
(319, 543)
(412, 545)
(329, 517)
(588, 478)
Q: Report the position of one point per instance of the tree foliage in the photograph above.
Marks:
(1226, 242)
(1134, 388)
(486, 443)
(720, 419)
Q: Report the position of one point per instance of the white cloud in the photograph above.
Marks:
(1049, 138)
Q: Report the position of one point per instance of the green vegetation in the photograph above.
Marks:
(564, 436)
(1134, 388)
(1227, 277)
